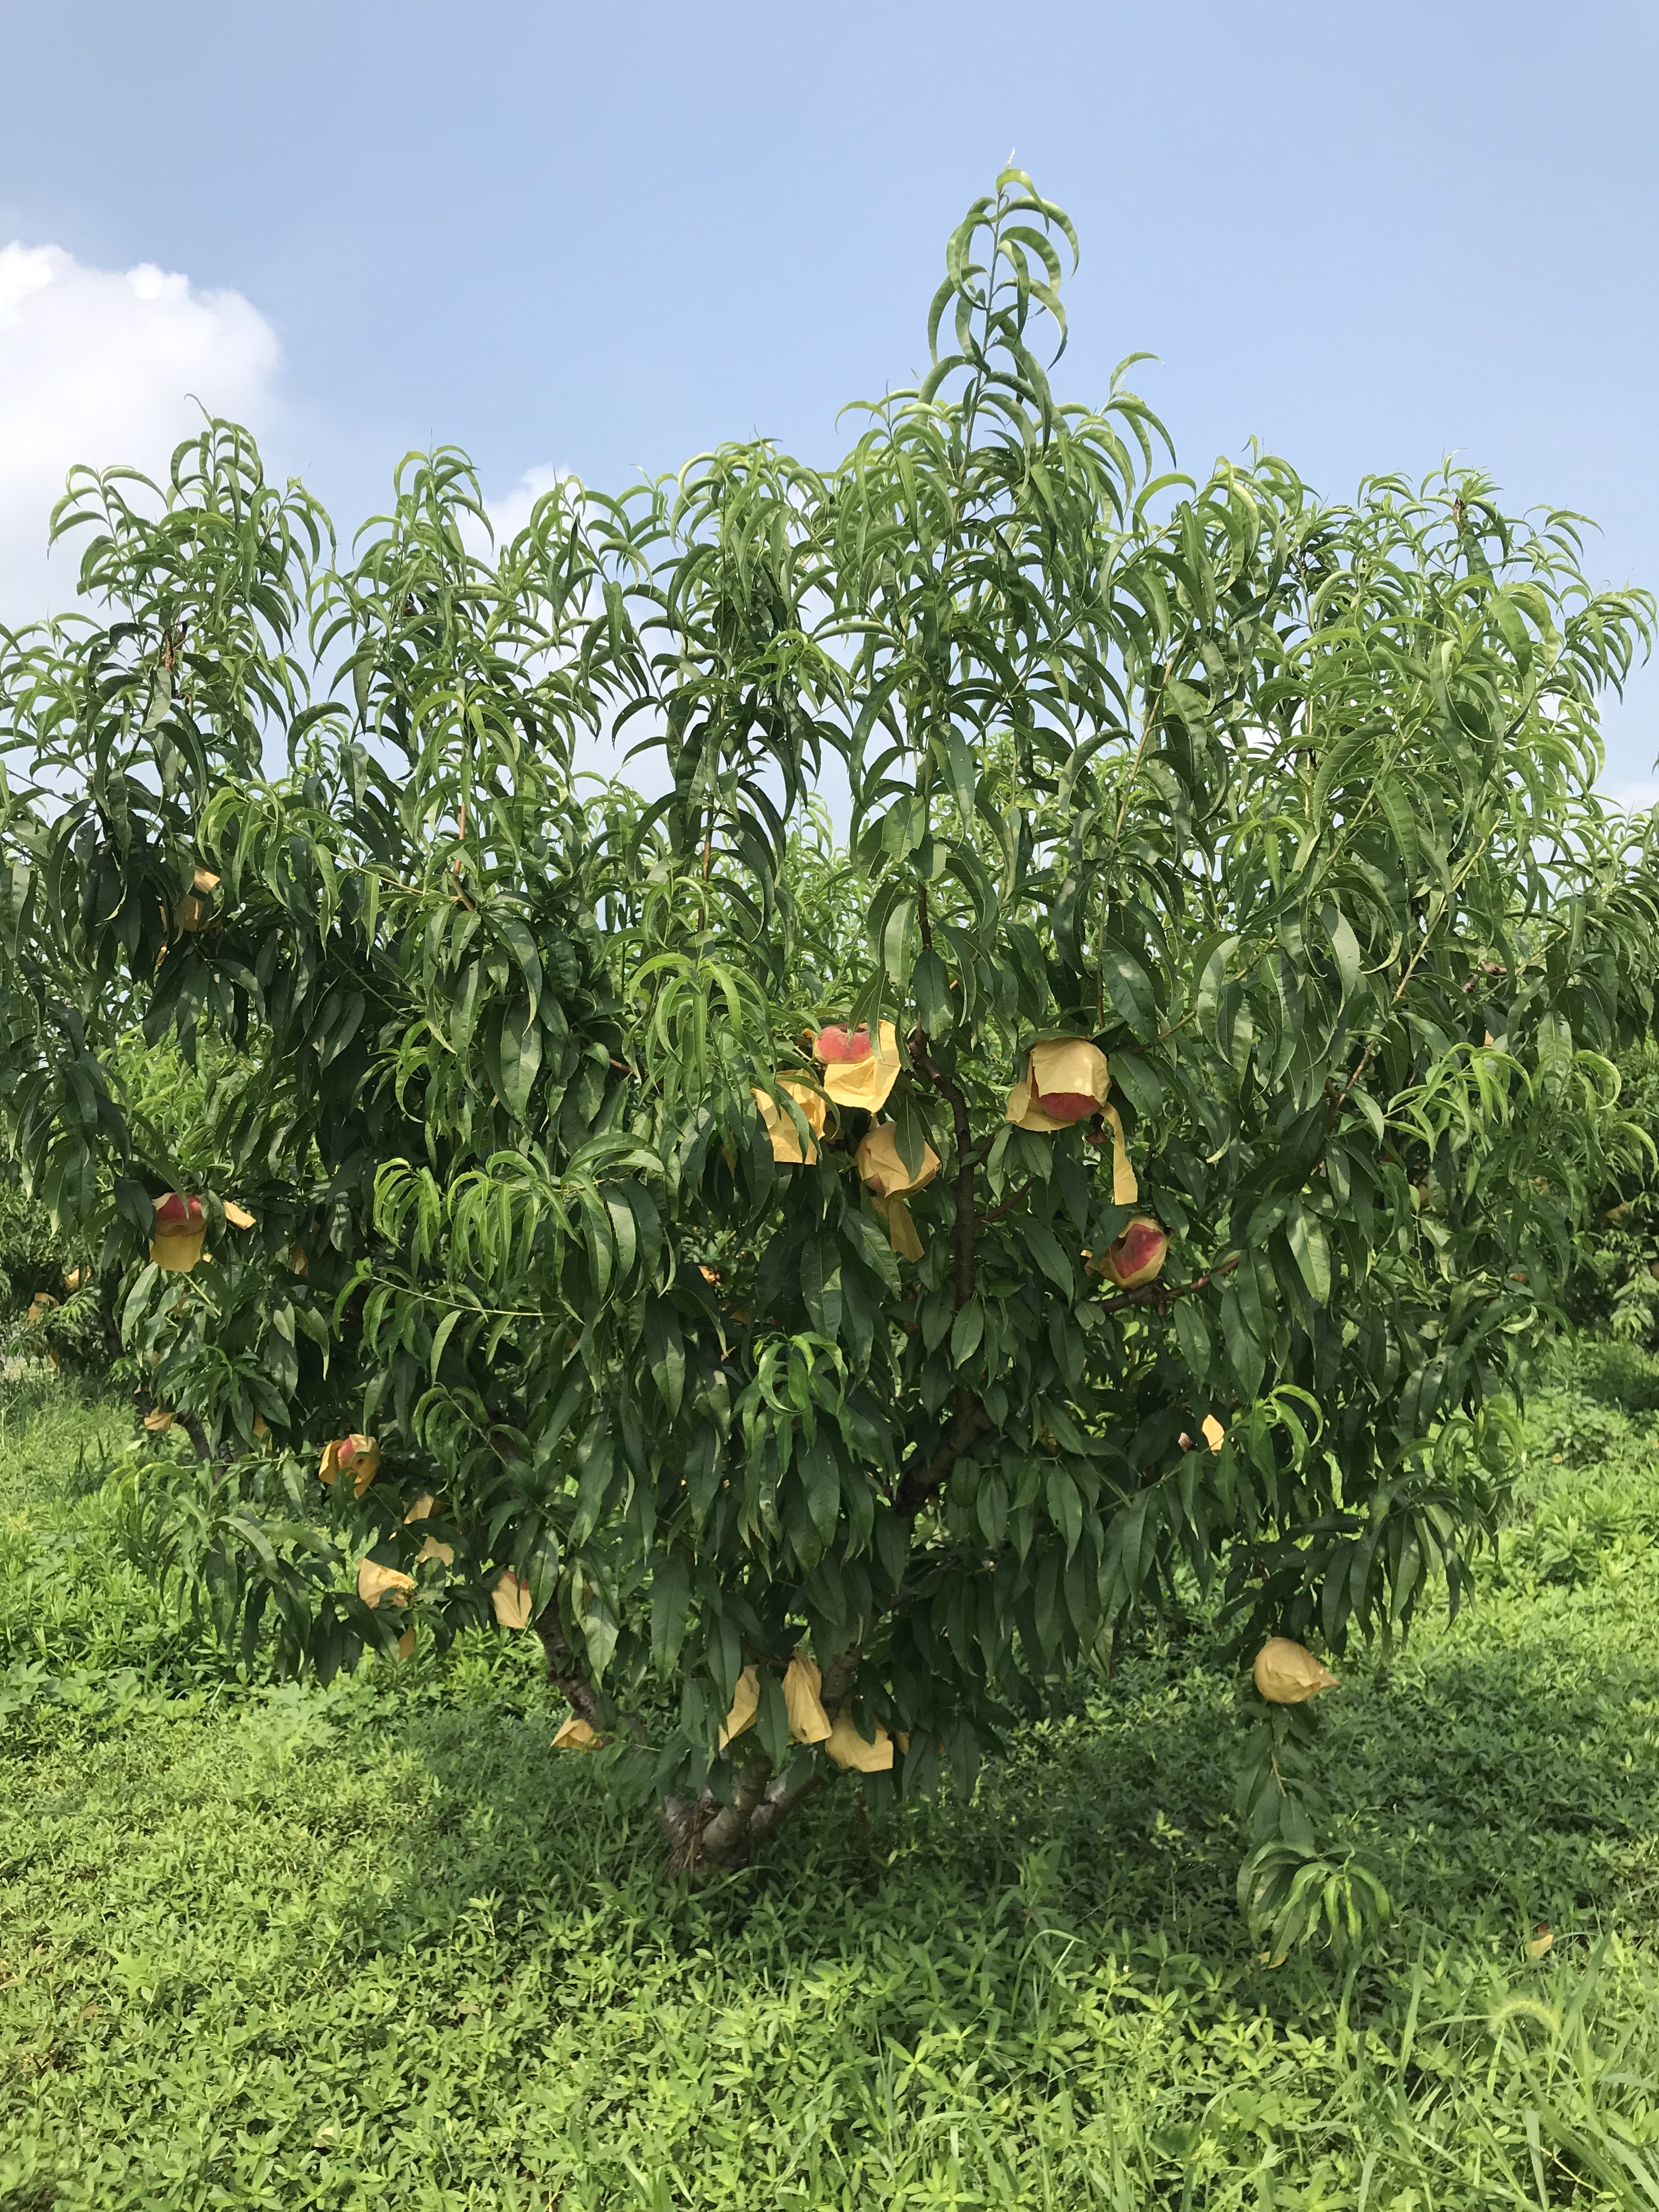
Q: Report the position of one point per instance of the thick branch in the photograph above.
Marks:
(561, 1667)
(726, 1838)
(922, 1477)
(217, 1465)
(780, 1803)
(1163, 1295)
(705, 1836)
(968, 1156)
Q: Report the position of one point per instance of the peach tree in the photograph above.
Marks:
(1063, 1070)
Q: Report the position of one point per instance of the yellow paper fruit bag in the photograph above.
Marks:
(781, 1128)
(855, 1072)
(882, 1168)
(902, 1231)
(851, 1750)
(1066, 1080)
(744, 1707)
(375, 1582)
(357, 1456)
(1126, 1188)
(887, 1178)
(180, 1227)
(510, 1601)
(194, 907)
(1286, 1674)
(1137, 1256)
(802, 1683)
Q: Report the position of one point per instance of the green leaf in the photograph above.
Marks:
(1050, 1255)
(1245, 1356)
(966, 1333)
(1130, 989)
(1193, 1338)
(1139, 1082)
(911, 1132)
(671, 1603)
(821, 1285)
(520, 1058)
(1065, 1507)
(1313, 1253)
(1344, 947)
(665, 1352)
(930, 984)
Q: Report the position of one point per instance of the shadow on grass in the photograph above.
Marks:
(1495, 1789)
(391, 1917)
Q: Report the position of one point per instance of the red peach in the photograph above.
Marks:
(1137, 1255)
(835, 1045)
(1063, 1105)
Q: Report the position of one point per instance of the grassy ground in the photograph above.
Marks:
(378, 1947)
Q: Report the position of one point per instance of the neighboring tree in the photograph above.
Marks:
(1615, 1282)
(828, 1287)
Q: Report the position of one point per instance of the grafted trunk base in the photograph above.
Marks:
(705, 1838)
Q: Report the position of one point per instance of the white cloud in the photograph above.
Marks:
(1637, 796)
(509, 515)
(102, 366)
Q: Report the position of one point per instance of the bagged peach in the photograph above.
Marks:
(781, 1128)
(180, 1227)
(1288, 1674)
(802, 1683)
(855, 1072)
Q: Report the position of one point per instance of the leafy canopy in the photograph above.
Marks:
(1285, 807)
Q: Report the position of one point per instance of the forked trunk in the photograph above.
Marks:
(705, 1838)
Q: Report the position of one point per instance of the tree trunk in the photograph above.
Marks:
(705, 1838)
(563, 1669)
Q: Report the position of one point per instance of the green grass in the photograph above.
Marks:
(378, 1947)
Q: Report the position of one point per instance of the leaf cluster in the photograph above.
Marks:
(1287, 806)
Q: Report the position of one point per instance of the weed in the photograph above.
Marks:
(268, 1946)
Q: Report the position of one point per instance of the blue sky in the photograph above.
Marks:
(603, 239)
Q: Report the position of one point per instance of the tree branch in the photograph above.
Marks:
(1007, 1205)
(968, 1156)
(1163, 1295)
(561, 1667)
(705, 1838)
(922, 1477)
